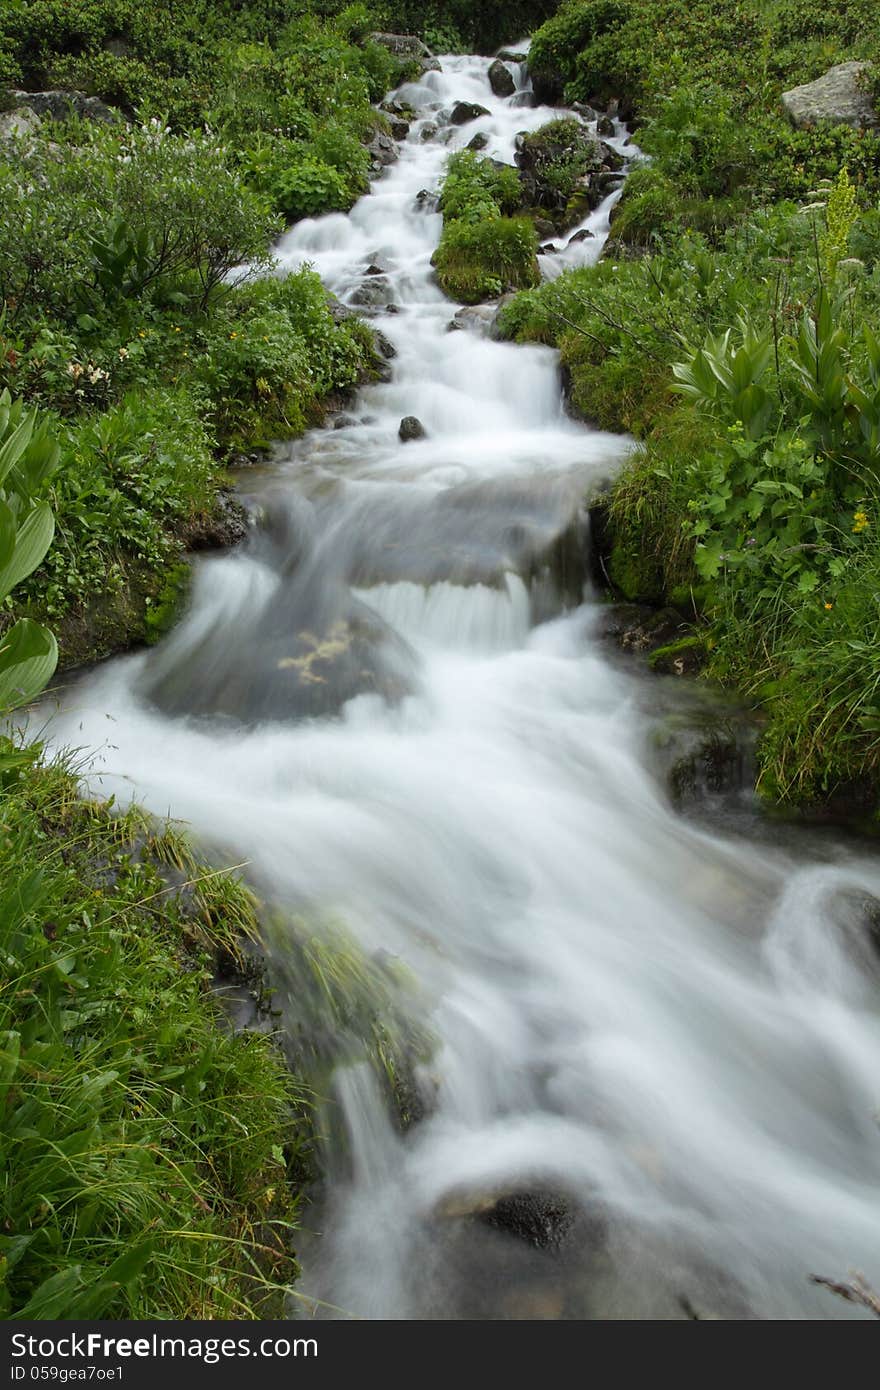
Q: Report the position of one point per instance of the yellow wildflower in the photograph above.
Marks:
(860, 522)
(828, 607)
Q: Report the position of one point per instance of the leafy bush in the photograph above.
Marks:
(482, 252)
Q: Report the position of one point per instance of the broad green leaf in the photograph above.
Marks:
(31, 543)
(28, 657)
(55, 1297)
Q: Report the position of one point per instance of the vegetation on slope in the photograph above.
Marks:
(148, 1152)
(734, 330)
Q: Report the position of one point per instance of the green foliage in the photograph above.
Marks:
(475, 187)
(482, 252)
(28, 457)
(143, 1144)
(481, 260)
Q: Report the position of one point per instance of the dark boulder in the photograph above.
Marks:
(411, 428)
(463, 112)
(501, 79)
(479, 142)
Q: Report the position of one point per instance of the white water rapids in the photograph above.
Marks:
(674, 1029)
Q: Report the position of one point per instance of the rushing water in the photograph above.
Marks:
(395, 706)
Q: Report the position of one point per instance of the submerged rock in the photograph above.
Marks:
(479, 141)
(840, 97)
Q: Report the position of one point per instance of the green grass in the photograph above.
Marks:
(146, 1151)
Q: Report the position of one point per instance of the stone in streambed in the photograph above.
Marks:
(411, 428)
(463, 112)
(501, 79)
(479, 141)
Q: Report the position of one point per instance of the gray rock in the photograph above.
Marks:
(427, 132)
(374, 293)
(523, 99)
(427, 200)
(839, 97)
(479, 142)
(411, 428)
(474, 317)
(61, 105)
(501, 79)
(583, 235)
(404, 47)
(508, 55)
(605, 126)
(382, 150)
(463, 112)
(399, 128)
(18, 123)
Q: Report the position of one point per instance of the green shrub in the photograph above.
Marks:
(481, 260)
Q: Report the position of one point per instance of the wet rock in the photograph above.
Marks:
(524, 99)
(399, 129)
(476, 318)
(61, 105)
(301, 650)
(479, 141)
(544, 227)
(703, 749)
(428, 132)
(384, 346)
(392, 107)
(583, 235)
(501, 79)
(509, 55)
(382, 150)
(548, 249)
(587, 113)
(18, 123)
(226, 526)
(605, 126)
(411, 428)
(427, 200)
(543, 1219)
(373, 293)
(841, 96)
(463, 112)
(548, 85)
(637, 627)
(565, 145)
(344, 421)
